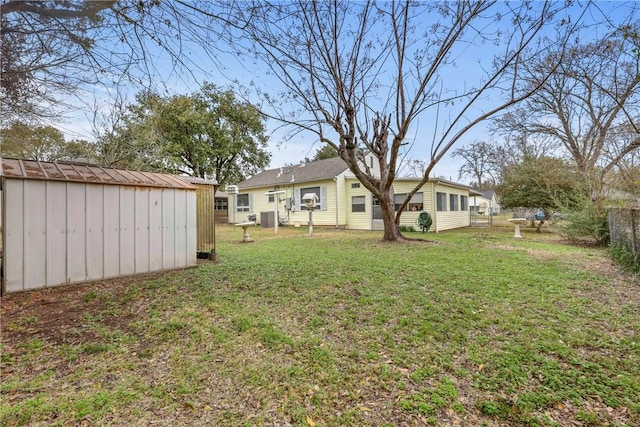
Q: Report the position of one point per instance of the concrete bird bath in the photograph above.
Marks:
(517, 222)
(245, 229)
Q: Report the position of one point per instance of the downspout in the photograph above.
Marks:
(335, 179)
(435, 208)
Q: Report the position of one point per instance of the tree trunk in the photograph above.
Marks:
(391, 229)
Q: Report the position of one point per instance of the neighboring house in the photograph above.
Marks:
(342, 201)
(221, 207)
(485, 203)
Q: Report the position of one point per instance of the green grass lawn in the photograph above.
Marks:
(472, 328)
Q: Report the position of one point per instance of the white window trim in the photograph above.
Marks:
(322, 202)
(244, 208)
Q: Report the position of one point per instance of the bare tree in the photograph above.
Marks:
(59, 50)
(44, 46)
(362, 74)
(625, 175)
(595, 90)
(483, 161)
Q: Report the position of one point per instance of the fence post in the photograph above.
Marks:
(634, 238)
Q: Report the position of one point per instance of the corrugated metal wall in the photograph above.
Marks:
(58, 232)
(205, 217)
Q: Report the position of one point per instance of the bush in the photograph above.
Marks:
(587, 223)
(404, 228)
(623, 256)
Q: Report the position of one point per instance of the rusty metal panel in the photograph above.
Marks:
(31, 169)
(95, 230)
(35, 228)
(69, 172)
(142, 229)
(12, 168)
(111, 176)
(52, 171)
(56, 208)
(127, 230)
(13, 243)
(111, 242)
(76, 233)
(155, 228)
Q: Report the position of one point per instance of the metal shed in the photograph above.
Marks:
(66, 223)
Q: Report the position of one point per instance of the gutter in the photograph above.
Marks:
(435, 208)
(335, 179)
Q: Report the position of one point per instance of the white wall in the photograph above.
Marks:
(63, 232)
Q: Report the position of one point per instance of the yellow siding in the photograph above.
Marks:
(410, 218)
(339, 195)
(357, 220)
(260, 203)
(448, 219)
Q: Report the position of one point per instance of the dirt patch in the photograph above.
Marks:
(61, 314)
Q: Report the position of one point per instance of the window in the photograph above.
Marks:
(397, 200)
(315, 190)
(415, 204)
(441, 202)
(357, 204)
(355, 185)
(453, 202)
(243, 202)
(272, 198)
(376, 212)
(464, 203)
(221, 205)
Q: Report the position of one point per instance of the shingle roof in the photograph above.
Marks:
(488, 194)
(312, 171)
(58, 171)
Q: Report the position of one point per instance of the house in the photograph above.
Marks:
(484, 203)
(221, 207)
(68, 223)
(341, 200)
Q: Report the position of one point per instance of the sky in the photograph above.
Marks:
(226, 68)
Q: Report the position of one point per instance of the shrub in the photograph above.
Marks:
(586, 223)
(404, 228)
(623, 256)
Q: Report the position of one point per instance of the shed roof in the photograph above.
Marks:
(58, 171)
(197, 180)
(304, 172)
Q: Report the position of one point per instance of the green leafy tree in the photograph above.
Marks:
(208, 134)
(547, 183)
(43, 143)
(325, 152)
